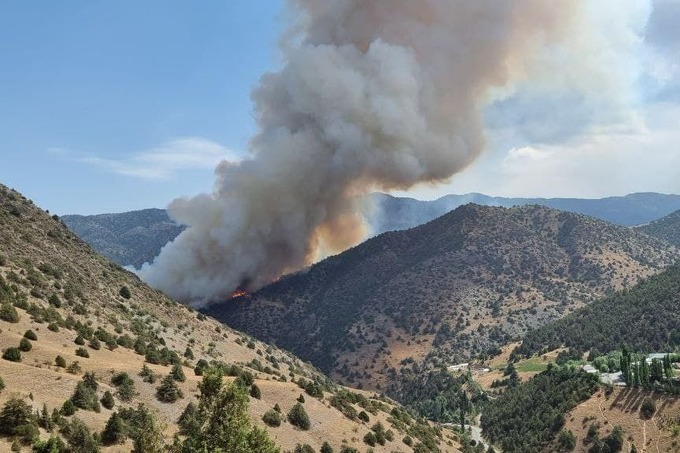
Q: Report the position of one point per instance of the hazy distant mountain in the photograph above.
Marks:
(129, 238)
(133, 238)
(666, 228)
(394, 213)
(445, 291)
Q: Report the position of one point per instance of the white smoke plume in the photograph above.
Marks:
(372, 95)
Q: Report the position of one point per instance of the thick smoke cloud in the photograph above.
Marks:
(373, 95)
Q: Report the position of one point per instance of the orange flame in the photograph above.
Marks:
(239, 293)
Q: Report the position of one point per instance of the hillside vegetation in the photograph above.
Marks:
(644, 318)
(527, 418)
(455, 288)
(595, 420)
(92, 355)
(666, 228)
(130, 238)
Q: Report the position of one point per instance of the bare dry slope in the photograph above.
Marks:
(622, 408)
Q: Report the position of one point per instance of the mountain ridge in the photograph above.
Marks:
(633, 209)
(444, 291)
(129, 238)
(666, 228)
(118, 237)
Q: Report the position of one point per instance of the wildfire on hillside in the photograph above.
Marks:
(239, 293)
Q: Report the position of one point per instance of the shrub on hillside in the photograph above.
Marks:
(85, 394)
(566, 440)
(8, 313)
(369, 439)
(17, 419)
(297, 416)
(647, 409)
(227, 427)
(54, 301)
(201, 366)
(30, 335)
(25, 345)
(115, 431)
(74, 368)
(107, 400)
(125, 292)
(79, 437)
(52, 445)
(147, 374)
(125, 386)
(187, 419)
(12, 354)
(177, 373)
(95, 344)
(68, 408)
(272, 418)
(60, 362)
(168, 391)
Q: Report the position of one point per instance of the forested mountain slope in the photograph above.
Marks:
(666, 228)
(446, 291)
(130, 238)
(645, 318)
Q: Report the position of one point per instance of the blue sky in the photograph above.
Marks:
(109, 106)
(117, 79)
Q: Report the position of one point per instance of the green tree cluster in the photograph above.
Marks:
(526, 418)
(221, 422)
(17, 420)
(168, 391)
(644, 318)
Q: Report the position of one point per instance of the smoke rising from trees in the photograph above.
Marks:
(376, 95)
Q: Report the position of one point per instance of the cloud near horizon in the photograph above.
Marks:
(159, 163)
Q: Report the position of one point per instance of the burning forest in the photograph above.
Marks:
(372, 95)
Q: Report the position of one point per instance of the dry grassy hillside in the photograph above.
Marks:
(66, 294)
(660, 433)
(455, 288)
